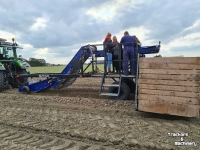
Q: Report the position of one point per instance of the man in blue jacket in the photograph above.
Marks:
(129, 53)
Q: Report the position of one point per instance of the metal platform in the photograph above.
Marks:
(114, 76)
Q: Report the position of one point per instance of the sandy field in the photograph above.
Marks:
(77, 118)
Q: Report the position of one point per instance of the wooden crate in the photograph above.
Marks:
(170, 85)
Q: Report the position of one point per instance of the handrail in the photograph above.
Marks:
(107, 44)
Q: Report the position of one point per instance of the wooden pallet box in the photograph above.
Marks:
(170, 85)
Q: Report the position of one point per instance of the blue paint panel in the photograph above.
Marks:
(38, 86)
(41, 85)
(150, 49)
(99, 53)
(20, 89)
(69, 66)
(143, 50)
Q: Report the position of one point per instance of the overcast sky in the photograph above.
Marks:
(55, 30)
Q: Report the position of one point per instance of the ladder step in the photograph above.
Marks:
(128, 76)
(109, 94)
(112, 76)
(113, 85)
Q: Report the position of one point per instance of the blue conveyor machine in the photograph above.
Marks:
(72, 70)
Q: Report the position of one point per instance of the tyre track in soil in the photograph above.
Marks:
(103, 122)
(14, 138)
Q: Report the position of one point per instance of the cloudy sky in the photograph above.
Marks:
(55, 30)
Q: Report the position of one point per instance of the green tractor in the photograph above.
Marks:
(11, 66)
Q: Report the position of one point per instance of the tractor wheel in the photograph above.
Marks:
(124, 91)
(25, 90)
(2, 79)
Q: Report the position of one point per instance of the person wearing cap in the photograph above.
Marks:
(129, 53)
(108, 48)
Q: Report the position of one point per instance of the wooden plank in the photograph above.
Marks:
(169, 93)
(158, 65)
(170, 88)
(169, 108)
(170, 99)
(167, 71)
(198, 83)
(168, 77)
(176, 60)
(168, 82)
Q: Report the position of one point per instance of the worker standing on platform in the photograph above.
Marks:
(116, 55)
(129, 53)
(108, 48)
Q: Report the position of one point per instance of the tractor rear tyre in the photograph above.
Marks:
(124, 91)
(2, 79)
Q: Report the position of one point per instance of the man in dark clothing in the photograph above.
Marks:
(129, 53)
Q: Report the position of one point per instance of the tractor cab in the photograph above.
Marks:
(6, 53)
(7, 50)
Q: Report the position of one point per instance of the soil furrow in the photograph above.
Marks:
(78, 118)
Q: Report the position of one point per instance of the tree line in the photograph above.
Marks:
(35, 63)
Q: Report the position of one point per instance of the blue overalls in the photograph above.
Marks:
(129, 54)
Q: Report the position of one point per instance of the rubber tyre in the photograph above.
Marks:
(25, 90)
(2, 79)
(124, 91)
(131, 84)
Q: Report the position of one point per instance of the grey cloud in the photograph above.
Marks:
(67, 20)
(165, 19)
(68, 25)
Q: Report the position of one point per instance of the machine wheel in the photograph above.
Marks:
(25, 90)
(131, 84)
(124, 91)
